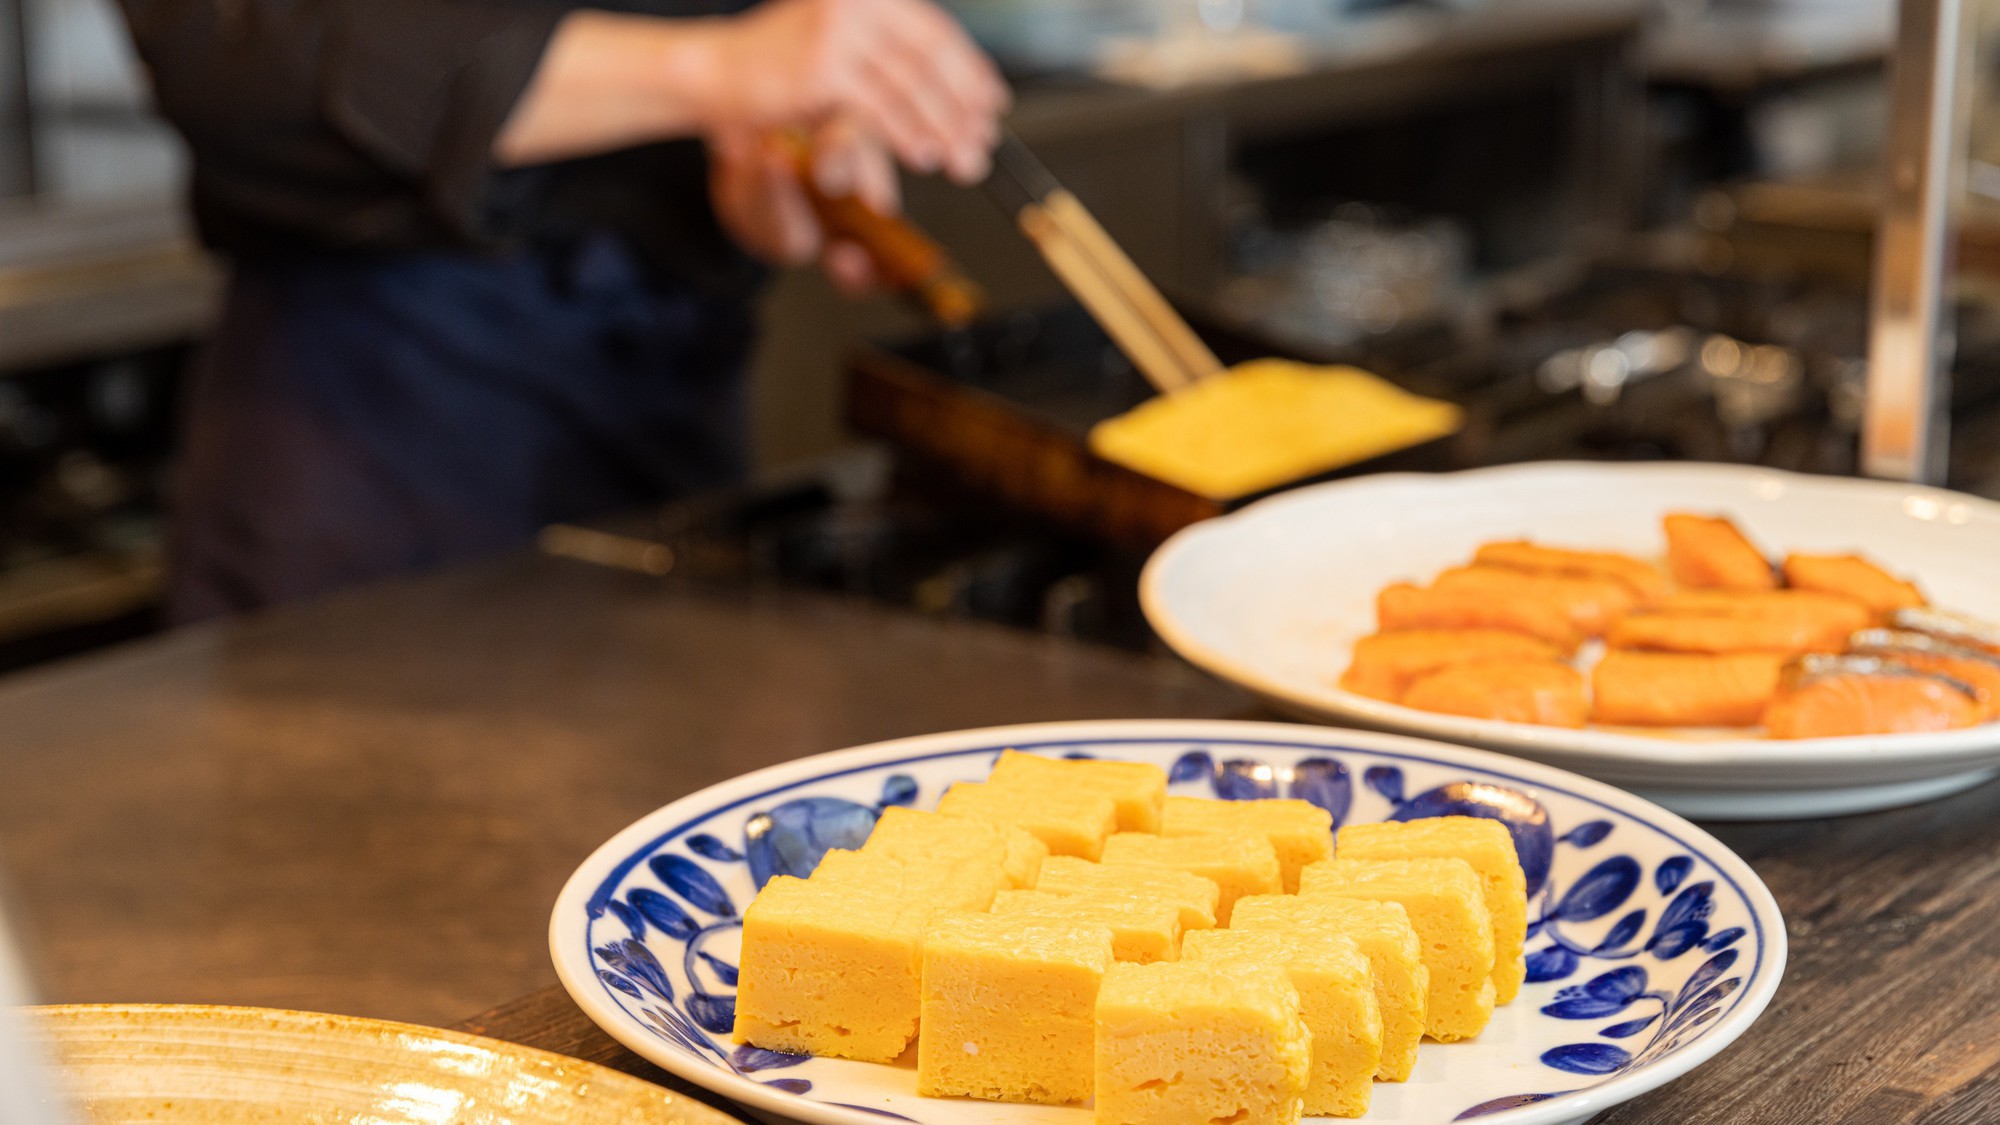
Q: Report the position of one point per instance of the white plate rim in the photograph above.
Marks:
(578, 977)
(1970, 746)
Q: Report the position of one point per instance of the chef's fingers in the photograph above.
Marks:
(954, 70)
(961, 67)
(849, 161)
(940, 128)
(961, 134)
(876, 181)
(759, 200)
(731, 150)
(849, 267)
(794, 232)
(883, 107)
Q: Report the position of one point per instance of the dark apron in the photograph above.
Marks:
(354, 419)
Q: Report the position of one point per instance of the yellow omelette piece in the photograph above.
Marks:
(1267, 422)
(1037, 1043)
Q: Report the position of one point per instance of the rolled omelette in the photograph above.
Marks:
(1266, 423)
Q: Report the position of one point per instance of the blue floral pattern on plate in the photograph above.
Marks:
(1639, 943)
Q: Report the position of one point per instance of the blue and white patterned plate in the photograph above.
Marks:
(1651, 946)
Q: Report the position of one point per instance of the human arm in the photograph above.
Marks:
(900, 70)
(376, 122)
(755, 182)
(863, 78)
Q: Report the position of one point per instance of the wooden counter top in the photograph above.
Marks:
(367, 805)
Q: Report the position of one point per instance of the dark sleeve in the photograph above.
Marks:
(342, 123)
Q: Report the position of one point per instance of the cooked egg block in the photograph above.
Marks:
(1489, 848)
(952, 843)
(1139, 788)
(1336, 1000)
(1447, 906)
(1069, 823)
(1009, 1008)
(1193, 895)
(830, 969)
(1143, 929)
(1382, 931)
(1266, 423)
(1180, 1043)
(1300, 831)
(1238, 865)
(939, 888)
(1023, 860)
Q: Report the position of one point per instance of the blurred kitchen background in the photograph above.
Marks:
(1609, 229)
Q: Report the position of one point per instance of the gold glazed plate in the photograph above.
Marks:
(168, 1063)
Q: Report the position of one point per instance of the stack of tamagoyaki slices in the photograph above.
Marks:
(1716, 639)
(1276, 967)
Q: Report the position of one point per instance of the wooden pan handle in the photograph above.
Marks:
(906, 259)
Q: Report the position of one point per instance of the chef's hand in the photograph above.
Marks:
(901, 70)
(754, 183)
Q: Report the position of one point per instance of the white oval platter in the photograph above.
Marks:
(1273, 598)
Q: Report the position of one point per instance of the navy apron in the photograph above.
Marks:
(353, 419)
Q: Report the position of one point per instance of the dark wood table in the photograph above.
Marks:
(367, 806)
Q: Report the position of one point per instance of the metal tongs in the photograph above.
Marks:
(1093, 267)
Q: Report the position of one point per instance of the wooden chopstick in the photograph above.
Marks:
(1083, 229)
(1125, 324)
(1097, 271)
